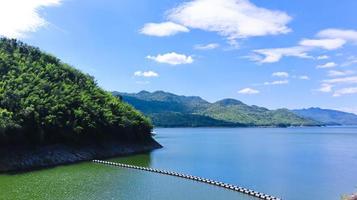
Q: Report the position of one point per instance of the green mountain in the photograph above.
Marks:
(43, 100)
(329, 117)
(170, 110)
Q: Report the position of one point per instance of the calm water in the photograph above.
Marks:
(293, 163)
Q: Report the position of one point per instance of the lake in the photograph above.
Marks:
(292, 163)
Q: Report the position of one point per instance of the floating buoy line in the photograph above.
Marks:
(194, 178)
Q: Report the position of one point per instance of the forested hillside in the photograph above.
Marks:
(327, 116)
(43, 100)
(169, 110)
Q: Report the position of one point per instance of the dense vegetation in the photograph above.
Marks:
(166, 109)
(329, 117)
(43, 100)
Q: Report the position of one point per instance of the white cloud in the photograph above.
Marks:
(163, 29)
(325, 88)
(344, 80)
(206, 46)
(280, 82)
(276, 54)
(323, 57)
(304, 77)
(232, 19)
(344, 91)
(248, 91)
(327, 65)
(348, 35)
(146, 73)
(172, 58)
(328, 44)
(281, 74)
(340, 73)
(18, 17)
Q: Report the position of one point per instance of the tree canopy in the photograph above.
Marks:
(43, 100)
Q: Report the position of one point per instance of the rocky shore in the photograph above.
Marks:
(26, 158)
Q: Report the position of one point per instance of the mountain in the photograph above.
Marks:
(46, 102)
(170, 110)
(329, 117)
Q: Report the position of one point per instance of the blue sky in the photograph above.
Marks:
(272, 53)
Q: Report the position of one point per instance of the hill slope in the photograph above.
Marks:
(330, 117)
(195, 111)
(44, 101)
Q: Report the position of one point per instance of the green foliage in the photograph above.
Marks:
(45, 100)
(166, 109)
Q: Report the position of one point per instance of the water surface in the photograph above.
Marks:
(292, 163)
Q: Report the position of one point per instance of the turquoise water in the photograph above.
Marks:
(292, 163)
(90, 181)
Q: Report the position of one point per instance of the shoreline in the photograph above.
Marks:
(19, 159)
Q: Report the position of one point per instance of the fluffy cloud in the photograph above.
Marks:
(327, 65)
(163, 29)
(230, 18)
(347, 35)
(339, 73)
(280, 82)
(328, 44)
(206, 46)
(146, 73)
(248, 91)
(281, 74)
(344, 91)
(19, 17)
(172, 58)
(276, 54)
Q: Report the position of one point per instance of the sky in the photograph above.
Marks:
(271, 53)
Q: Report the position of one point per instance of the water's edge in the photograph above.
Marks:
(17, 159)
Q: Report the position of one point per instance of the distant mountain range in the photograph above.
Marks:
(328, 117)
(171, 110)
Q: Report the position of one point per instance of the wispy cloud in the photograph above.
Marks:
(163, 29)
(334, 86)
(17, 18)
(328, 44)
(276, 54)
(281, 74)
(344, 80)
(248, 91)
(206, 46)
(350, 61)
(172, 58)
(303, 77)
(323, 57)
(279, 82)
(333, 73)
(345, 91)
(325, 88)
(146, 74)
(142, 82)
(327, 65)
